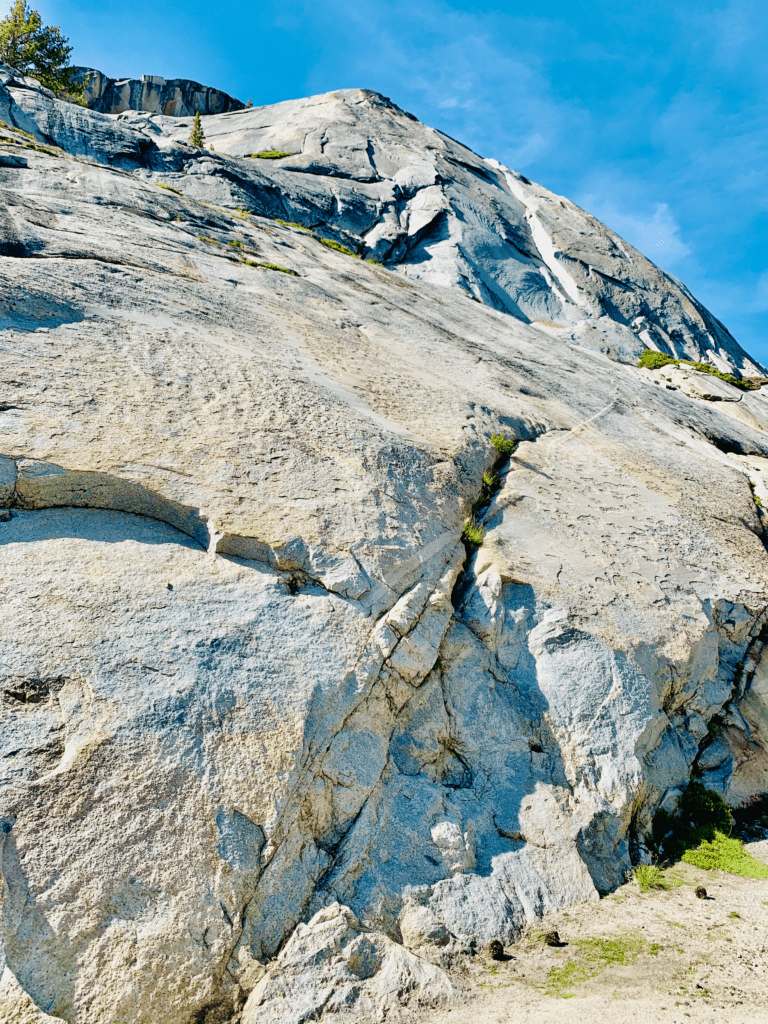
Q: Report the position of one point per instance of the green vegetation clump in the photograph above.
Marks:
(338, 247)
(207, 240)
(701, 813)
(168, 189)
(651, 360)
(236, 244)
(271, 266)
(270, 154)
(197, 135)
(503, 445)
(291, 224)
(726, 853)
(472, 533)
(18, 131)
(595, 954)
(37, 50)
(699, 834)
(649, 876)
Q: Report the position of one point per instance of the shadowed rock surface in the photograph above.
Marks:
(251, 679)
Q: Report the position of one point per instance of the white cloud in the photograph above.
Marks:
(653, 229)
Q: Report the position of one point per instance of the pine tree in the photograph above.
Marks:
(42, 52)
(197, 136)
(249, 104)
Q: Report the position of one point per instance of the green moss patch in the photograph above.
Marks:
(594, 955)
(270, 154)
(169, 189)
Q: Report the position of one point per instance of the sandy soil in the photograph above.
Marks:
(688, 961)
(702, 961)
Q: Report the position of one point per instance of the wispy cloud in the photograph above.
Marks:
(650, 114)
(654, 231)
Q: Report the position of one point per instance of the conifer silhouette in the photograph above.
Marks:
(197, 135)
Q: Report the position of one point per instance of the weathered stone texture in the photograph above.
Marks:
(255, 696)
(174, 97)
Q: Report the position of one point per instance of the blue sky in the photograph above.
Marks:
(652, 115)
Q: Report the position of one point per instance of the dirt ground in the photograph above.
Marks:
(634, 958)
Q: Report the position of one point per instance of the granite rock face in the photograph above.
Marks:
(175, 97)
(257, 699)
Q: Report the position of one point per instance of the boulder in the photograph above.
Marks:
(332, 968)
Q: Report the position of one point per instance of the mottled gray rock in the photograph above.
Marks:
(248, 671)
(333, 967)
(366, 173)
(174, 97)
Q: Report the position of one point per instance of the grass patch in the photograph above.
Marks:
(594, 955)
(650, 360)
(207, 240)
(270, 266)
(502, 444)
(291, 224)
(472, 533)
(649, 876)
(725, 853)
(338, 247)
(19, 131)
(236, 244)
(169, 189)
(270, 154)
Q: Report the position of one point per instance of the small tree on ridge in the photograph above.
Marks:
(197, 135)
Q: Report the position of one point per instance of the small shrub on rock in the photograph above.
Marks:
(503, 445)
(473, 533)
